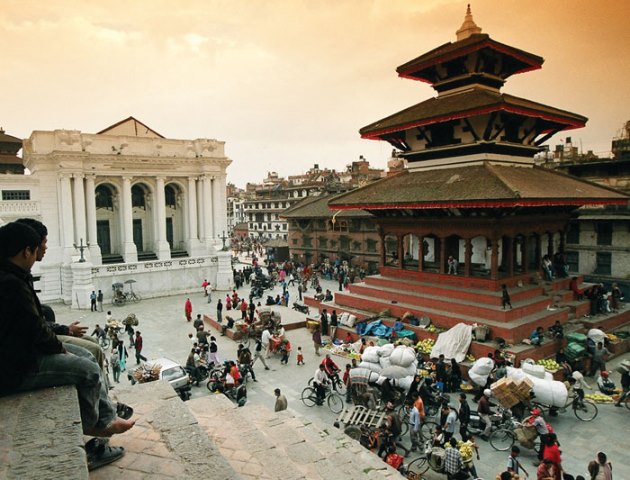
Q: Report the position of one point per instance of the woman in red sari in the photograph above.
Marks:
(552, 453)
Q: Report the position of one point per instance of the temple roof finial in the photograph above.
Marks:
(469, 27)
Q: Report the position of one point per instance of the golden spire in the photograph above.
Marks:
(468, 28)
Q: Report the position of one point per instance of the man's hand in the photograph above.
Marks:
(76, 330)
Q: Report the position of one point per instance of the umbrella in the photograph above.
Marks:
(394, 372)
(130, 281)
(117, 285)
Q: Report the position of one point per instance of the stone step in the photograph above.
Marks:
(167, 442)
(265, 445)
(41, 435)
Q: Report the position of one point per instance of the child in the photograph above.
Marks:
(300, 357)
(285, 349)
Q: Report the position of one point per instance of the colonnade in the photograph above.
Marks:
(204, 221)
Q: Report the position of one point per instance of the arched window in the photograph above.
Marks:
(138, 197)
(170, 197)
(104, 197)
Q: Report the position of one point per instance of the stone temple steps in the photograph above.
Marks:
(210, 437)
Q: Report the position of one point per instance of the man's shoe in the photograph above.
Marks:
(617, 404)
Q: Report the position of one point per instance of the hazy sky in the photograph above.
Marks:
(288, 83)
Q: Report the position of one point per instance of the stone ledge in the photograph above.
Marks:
(41, 435)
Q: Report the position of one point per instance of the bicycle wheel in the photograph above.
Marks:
(134, 297)
(353, 432)
(335, 403)
(427, 429)
(309, 397)
(105, 342)
(419, 466)
(404, 411)
(627, 402)
(585, 410)
(404, 428)
(339, 386)
(502, 439)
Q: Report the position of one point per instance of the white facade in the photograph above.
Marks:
(150, 209)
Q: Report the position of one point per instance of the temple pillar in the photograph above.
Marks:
(381, 236)
(562, 242)
(442, 259)
(538, 252)
(130, 252)
(524, 256)
(420, 253)
(494, 259)
(401, 251)
(206, 189)
(510, 257)
(550, 245)
(467, 257)
(90, 208)
(162, 248)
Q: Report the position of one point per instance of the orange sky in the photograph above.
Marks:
(288, 83)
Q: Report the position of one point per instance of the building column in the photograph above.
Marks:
(67, 222)
(538, 252)
(442, 255)
(494, 259)
(163, 249)
(550, 245)
(206, 186)
(78, 191)
(90, 207)
(218, 212)
(467, 257)
(401, 251)
(421, 253)
(510, 256)
(130, 252)
(381, 236)
(194, 246)
(562, 242)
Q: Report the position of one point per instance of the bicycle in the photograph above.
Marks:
(336, 382)
(583, 408)
(333, 399)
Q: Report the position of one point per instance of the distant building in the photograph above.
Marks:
(317, 234)
(264, 203)
(598, 237)
(122, 204)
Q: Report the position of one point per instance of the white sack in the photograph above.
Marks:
(482, 366)
(547, 391)
(477, 379)
(403, 356)
(374, 366)
(534, 370)
(454, 343)
(386, 350)
(352, 319)
(596, 335)
(370, 354)
(385, 362)
(343, 319)
(405, 383)
(363, 375)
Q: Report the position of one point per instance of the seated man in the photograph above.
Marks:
(537, 336)
(605, 384)
(330, 367)
(37, 358)
(320, 382)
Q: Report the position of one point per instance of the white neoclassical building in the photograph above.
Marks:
(146, 208)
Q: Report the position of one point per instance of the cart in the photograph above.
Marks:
(357, 419)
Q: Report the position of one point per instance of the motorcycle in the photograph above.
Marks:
(300, 307)
(477, 425)
(256, 292)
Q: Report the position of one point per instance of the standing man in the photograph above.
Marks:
(281, 401)
(93, 301)
(300, 290)
(188, 309)
(138, 347)
(323, 321)
(317, 340)
(464, 416)
(114, 361)
(449, 424)
(334, 323)
(513, 464)
(219, 311)
(243, 309)
(99, 299)
(415, 422)
(600, 355)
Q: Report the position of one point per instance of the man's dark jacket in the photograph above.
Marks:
(24, 334)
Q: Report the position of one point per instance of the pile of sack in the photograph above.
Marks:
(388, 361)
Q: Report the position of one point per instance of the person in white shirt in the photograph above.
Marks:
(265, 339)
(320, 381)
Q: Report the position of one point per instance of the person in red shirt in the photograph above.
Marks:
(243, 309)
(330, 366)
(552, 453)
(188, 309)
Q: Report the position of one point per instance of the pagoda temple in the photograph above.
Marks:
(470, 191)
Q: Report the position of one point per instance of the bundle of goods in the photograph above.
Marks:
(454, 343)
(131, 320)
(529, 367)
(401, 358)
(509, 390)
(345, 350)
(147, 372)
(480, 370)
(547, 390)
(599, 397)
(526, 434)
(465, 449)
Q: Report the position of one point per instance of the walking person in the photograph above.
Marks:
(317, 340)
(265, 339)
(300, 356)
(505, 297)
(464, 416)
(259, 354)
(600, 468)
(114, 361)
(281, 401)
(93, 301)
(415, 423)
(513, 464)
(99, 300)
(625, 385)
(213, 353)
(323, 322)
(188, 310)
(138, 346)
